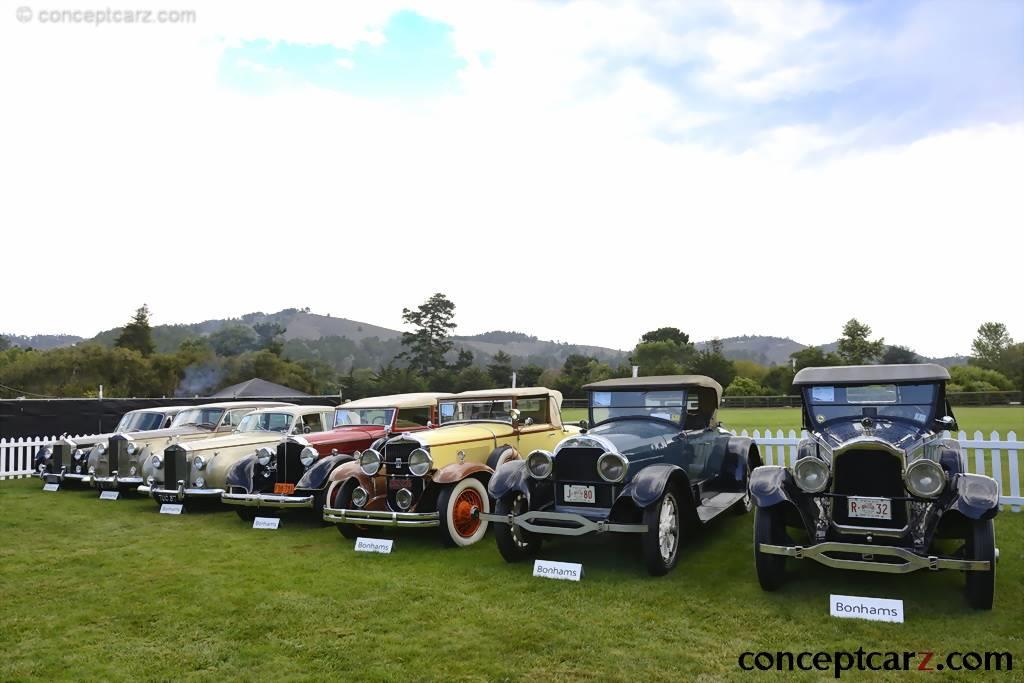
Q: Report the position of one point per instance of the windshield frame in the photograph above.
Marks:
(132, 425)
(390, 411)
(256, 415)
(685, 406)
(511, 400)
(176, 422)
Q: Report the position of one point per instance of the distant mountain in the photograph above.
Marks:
(776, 350)
(41, 341)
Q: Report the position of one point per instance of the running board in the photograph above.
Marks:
(717, 504)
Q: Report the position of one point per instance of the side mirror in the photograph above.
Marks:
(946, 422)
(430, 425)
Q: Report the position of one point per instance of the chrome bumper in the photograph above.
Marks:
(381, 518)
(117, 481)
(180, 493)
(911, 560)
(267, 500)
(61, 477)
(582, 524)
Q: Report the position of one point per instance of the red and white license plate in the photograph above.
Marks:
(575, 493)
(869, 508)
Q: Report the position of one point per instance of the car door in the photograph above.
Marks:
(542, 434)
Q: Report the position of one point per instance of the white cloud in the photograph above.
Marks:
(540, 198)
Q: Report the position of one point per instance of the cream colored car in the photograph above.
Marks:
(117, 462)
(198, 469)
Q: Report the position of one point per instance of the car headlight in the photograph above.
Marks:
(811, 474)
(308, 456)
(925, 478)
(420, 462)
(131, 448)
(198, 462)
(78, 469)
(612, 467)
(199, 482)
(157, 461)
(360, 496)
(369, 462)
(45, 452)
(539, 464)
(100, 449)
(404, 498)
(79, 454)
(264, 456)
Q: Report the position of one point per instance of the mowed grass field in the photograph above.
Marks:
(987, 419)
(93, 589)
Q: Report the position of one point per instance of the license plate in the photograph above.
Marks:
(284, 489)
(869, 508)
(574, 493)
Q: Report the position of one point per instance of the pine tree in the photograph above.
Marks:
(138, 334)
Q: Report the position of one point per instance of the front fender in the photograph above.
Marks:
(240, 474)
(450, 474)
(769, 485)
(319, 473)
(650, 482)
(741, 455)
(512, 476)
(977, 496)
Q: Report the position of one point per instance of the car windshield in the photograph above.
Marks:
(666, 405)
(140, 422)
(363, 416)
(906, 402)
(488, 409)
(265, 422)
(199, 417)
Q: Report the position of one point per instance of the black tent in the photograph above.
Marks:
(257, 388)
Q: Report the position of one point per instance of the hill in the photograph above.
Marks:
(41, 341)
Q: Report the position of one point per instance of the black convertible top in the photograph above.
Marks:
(872, 374)
(656, 383)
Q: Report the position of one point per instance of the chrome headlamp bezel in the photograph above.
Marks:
(404, 498)
(45, 452)
(101, 448)
(78, 454)
(131, 448)
(806, 469)
(420, 462)
(370, 462)
(607, 457)
(540, 464)
(936, 472)
(198, 462)
(360, 496)
(265, 456)
(157, 461)
(308, 455)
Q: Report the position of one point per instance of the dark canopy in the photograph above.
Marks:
(257, 388)
(656, 383)
(872, 374)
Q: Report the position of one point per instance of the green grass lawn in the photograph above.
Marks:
(93, 589)
(1002, 419)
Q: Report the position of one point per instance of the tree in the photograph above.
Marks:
(4, 344)
(779, 380)
(137, 334)
(990, 344)
(748, 368)
(814, 357)
(712, 363)
(500, 369)
(744, 386)
(233, 340)
(669, 334)
(973, 378)
(427, 346)
(268, 334)
(474, 378)
(579, 370)
(854, 346)
(529, 375)
(464, 360)
(895, 355)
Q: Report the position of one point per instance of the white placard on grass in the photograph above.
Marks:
(109, 495)
(872, 609)
(51, 487)
(266, 523)
(565, 571)
(374, 545)
(170, 509)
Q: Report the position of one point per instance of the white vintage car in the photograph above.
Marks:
(67, 460)
(116, 462)
(198, 469)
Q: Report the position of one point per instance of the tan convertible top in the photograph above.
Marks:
(419, 400)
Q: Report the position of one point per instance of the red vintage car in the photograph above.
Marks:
(296, 474)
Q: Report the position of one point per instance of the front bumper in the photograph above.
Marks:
(267, 500)
(381, 518)
(566, 523)
(61, 477)
(911, 560)
(179, 494)
(116, 481)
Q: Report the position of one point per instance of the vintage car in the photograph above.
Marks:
(875, 485)
(297, 474)
(67, 460)
(654, 462)
(197, 470)
(438, 478)
(117, 462)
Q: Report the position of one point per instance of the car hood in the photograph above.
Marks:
(899, 435)
(234, 440)
(632, 437)
(343, 435)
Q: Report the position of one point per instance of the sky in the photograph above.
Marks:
(579, 171)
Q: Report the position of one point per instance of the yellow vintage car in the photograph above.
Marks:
(438, 478)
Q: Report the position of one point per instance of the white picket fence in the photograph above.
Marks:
(777, 448)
